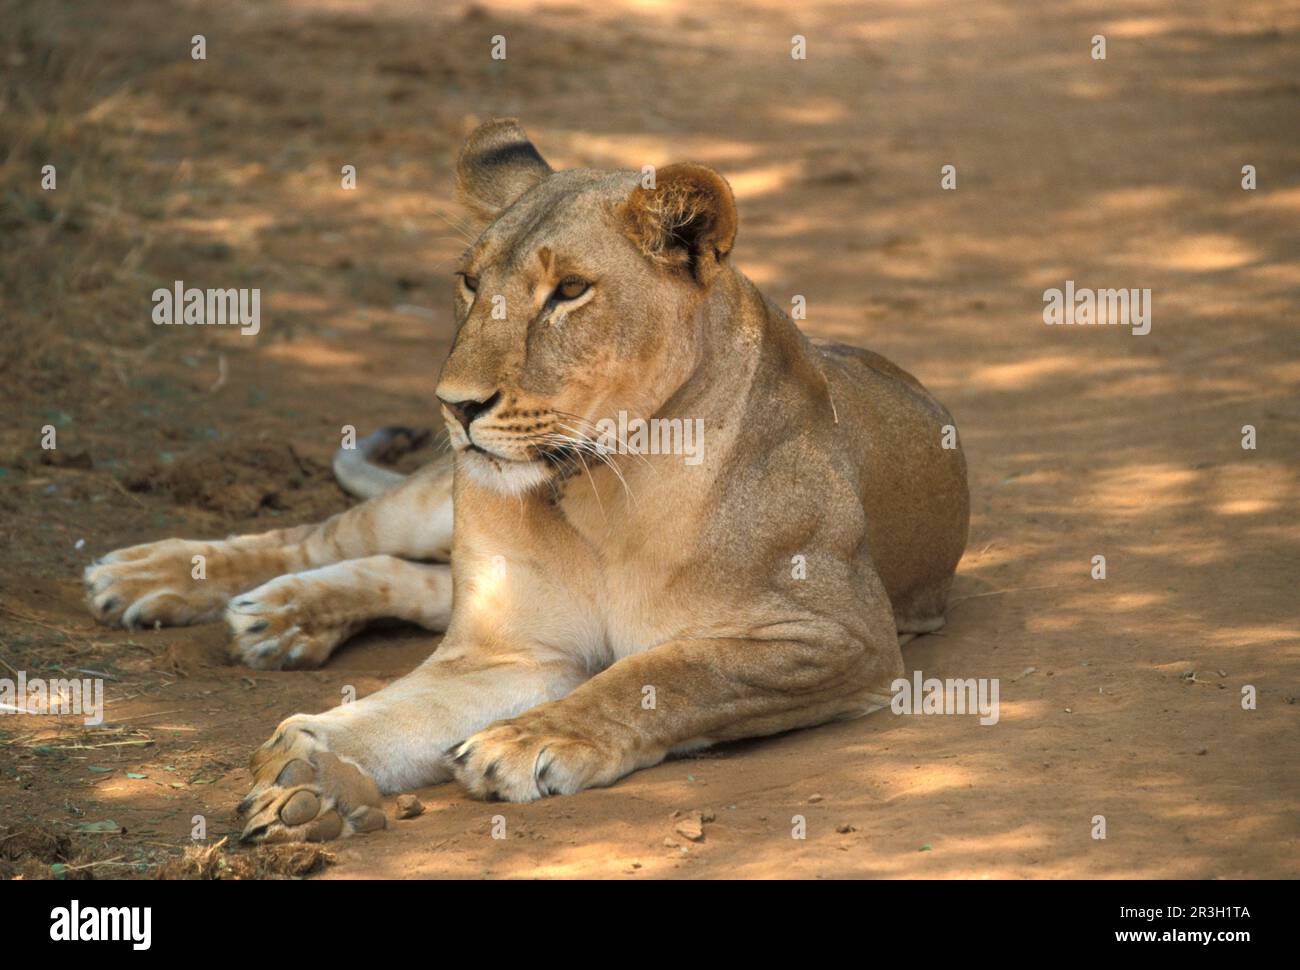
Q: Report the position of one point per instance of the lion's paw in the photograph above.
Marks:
(527, 758)
(302, 792)
(279, 626)
(153, 584)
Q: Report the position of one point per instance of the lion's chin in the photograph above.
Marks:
(502, 475)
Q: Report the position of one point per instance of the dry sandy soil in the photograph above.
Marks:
(1120, 697)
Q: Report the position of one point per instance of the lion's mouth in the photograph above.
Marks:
(472, 447)
(499, 460)
(544, 453)
(551, 453)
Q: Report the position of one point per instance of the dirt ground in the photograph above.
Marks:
(1120, 697)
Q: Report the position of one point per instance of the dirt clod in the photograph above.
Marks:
(408, 806)
(691, 826)
(239, 479)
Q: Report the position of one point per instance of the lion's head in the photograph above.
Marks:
(579, 300)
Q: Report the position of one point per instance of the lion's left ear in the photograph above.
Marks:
(497, 165)
(687, 220)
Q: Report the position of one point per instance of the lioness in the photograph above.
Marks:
(602, 609)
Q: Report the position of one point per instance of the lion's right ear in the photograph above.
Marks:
(497, 165)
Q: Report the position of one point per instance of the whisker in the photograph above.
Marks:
(621, 441)
(584, 443)
(600, 453)
(594, 490)
(461, 228)
(576, 449)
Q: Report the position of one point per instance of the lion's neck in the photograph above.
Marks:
(752, 360)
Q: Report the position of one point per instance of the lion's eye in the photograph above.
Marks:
(471, 282)
(571, 288)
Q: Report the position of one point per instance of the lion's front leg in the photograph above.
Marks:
(679, 696)
(298, 620)
(320, 775)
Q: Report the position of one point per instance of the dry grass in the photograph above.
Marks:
(264, 862)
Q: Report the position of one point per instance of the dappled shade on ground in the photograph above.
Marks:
(1120, 697)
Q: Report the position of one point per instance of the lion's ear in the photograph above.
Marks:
(687, 220)
(497, 165)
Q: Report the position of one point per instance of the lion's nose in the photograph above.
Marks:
(466, 411)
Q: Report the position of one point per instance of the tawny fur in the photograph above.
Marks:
(601, 610)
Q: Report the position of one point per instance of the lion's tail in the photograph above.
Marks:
(355, 469)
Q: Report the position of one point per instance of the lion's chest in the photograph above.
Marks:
(642, 549)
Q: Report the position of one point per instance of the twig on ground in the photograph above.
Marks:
(1000, 592)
